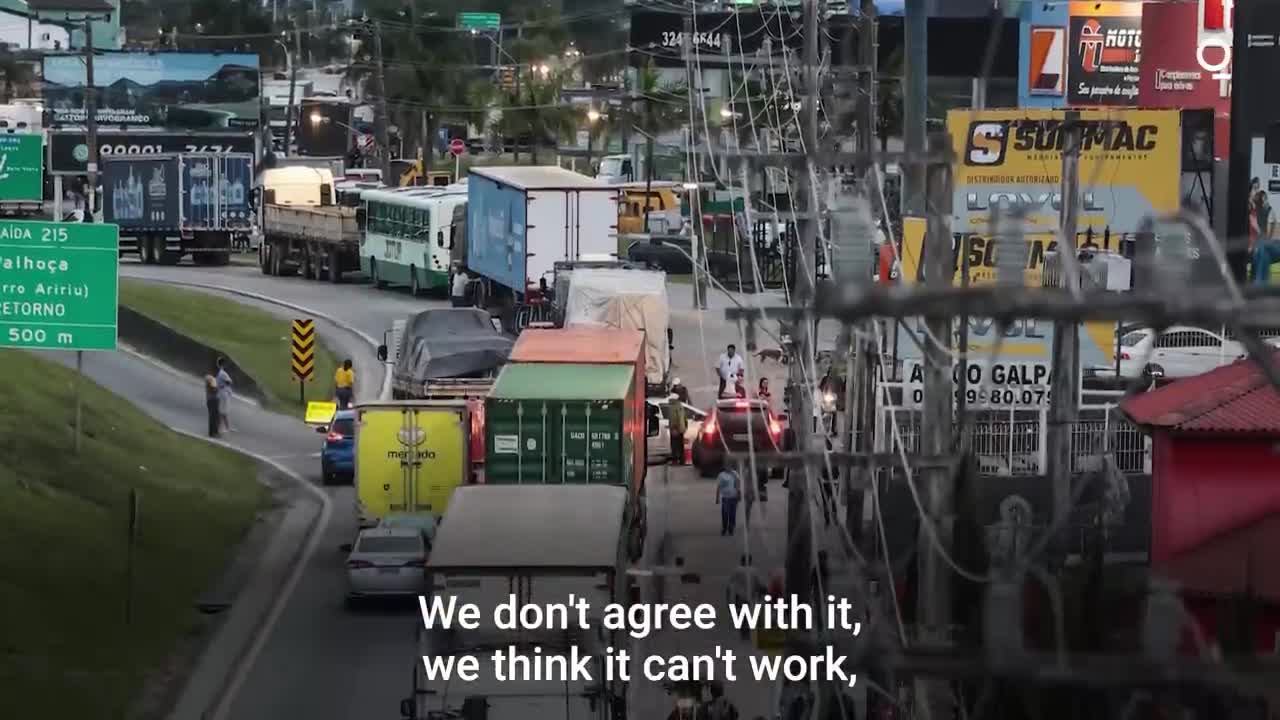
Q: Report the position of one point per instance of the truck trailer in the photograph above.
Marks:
(169, 205)
(304, 228)
(521, 221)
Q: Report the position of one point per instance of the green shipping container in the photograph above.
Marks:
(562, 423)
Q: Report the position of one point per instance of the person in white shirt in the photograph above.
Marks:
(460, 284)
(728, 367)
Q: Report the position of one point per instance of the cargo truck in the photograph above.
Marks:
(304, 228)
(410, 456)
(523, 220)
(625, 298)
(568, 423)
(169, 205)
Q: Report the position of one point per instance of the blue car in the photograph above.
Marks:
(338, 455)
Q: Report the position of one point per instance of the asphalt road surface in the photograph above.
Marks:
(324, 661)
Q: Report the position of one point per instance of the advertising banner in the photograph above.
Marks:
(1047, 62)
(1130, 164)
(69, 150)
(1002, 385)
(1170, 72)
(21, 168)
(1106, 47)
(169, 89)
(1255, 103)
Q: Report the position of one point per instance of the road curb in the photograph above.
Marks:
(384, 392)
(216, 704)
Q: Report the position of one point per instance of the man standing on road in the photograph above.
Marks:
(211, 403)
(727, 368)
(224, 395)
(677, 424)
(458, 290)
(344, 382)
(728, 490)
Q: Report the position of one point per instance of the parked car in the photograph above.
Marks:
(337, 455)
(660, 444)
(736, 426)
(387, 561)
(1180, 351)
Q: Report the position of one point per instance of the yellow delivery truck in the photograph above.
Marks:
(410, 456)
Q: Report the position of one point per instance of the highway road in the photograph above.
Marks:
(321, 660)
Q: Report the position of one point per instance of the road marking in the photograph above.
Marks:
(241, 672)
(383, 394)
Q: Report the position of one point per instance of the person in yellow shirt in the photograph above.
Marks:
(344, 382)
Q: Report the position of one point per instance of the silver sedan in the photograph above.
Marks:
(387, 561)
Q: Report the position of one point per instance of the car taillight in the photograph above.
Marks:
(357, 564)
(774, 428)
(334, 437)
(709, 427)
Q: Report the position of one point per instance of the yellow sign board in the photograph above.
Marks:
(303, 349)
(320, 413)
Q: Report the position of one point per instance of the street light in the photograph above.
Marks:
(593, 115)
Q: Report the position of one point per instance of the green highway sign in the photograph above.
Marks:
(59, 285)
(21, 167)
(479, 21)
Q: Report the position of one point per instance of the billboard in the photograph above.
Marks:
(196, 91)
(1255, 104)
(69, 150)
(1130, 163)
(1047, 64)
(1170, 72)
(1106, 47)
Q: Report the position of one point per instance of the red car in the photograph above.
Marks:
(736, 426)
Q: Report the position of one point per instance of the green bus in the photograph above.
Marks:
(408, 236)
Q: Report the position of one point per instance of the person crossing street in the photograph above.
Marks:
(728, 490)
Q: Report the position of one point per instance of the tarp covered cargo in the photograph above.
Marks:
(451, 343)
(627, 300)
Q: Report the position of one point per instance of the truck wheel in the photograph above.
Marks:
(308, 263)
(170, 258)
(147, 248)
(264, 258)
(414, 290)
(276, 252)
(373, 274)
(335, 270)
(221, 258)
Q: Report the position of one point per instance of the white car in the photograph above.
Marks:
(1178, 352)
(387, 561)
(659, 444)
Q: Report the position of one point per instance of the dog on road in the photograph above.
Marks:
(773, 354)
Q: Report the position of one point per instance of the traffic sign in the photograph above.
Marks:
(21, 167)
(457, 146)
(479, 21)
(320, 413)
(303, 360)
(59, 285)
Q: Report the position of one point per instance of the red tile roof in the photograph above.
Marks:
(1235, 398)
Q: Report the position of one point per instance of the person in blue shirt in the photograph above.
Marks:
(728, 490)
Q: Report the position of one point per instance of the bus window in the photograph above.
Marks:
(440, 238)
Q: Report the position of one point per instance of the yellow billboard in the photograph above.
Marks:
(1130, 167)
(409, 458)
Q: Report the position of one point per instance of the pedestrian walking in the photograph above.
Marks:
(728, 367)
(211, 403)
(719, 707)
(344, 382)
(458, 291)
(223, 380)
(728, 490)
(678, 424)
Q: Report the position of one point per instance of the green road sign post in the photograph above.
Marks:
(21, 167)
(479, 21)
(59, 285)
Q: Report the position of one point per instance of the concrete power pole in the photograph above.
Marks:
(1064, 383)
(693, 84)
(937, 484)
(915, 101)
(800, 383)
(384, 141)
(293, 89)
(90, 121)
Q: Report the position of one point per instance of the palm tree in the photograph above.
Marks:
(664, 108)
(535, 111)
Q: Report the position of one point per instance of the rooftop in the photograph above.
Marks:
(563, 381)
(578, 344)
(531, 527)
(1233, 399)
(541, 177)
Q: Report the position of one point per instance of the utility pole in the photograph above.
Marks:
(698, 232)
(915, 100)
(293, 61)
(384, 142)
(91, 118)
(800, 383)
(933, 601)
(1064, 373)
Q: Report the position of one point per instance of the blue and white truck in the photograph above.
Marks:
(169, 205)
(521, 221)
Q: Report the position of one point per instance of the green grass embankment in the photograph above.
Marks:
(258, 341)
(65, 650)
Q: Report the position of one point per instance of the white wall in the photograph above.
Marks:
(14, 34)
